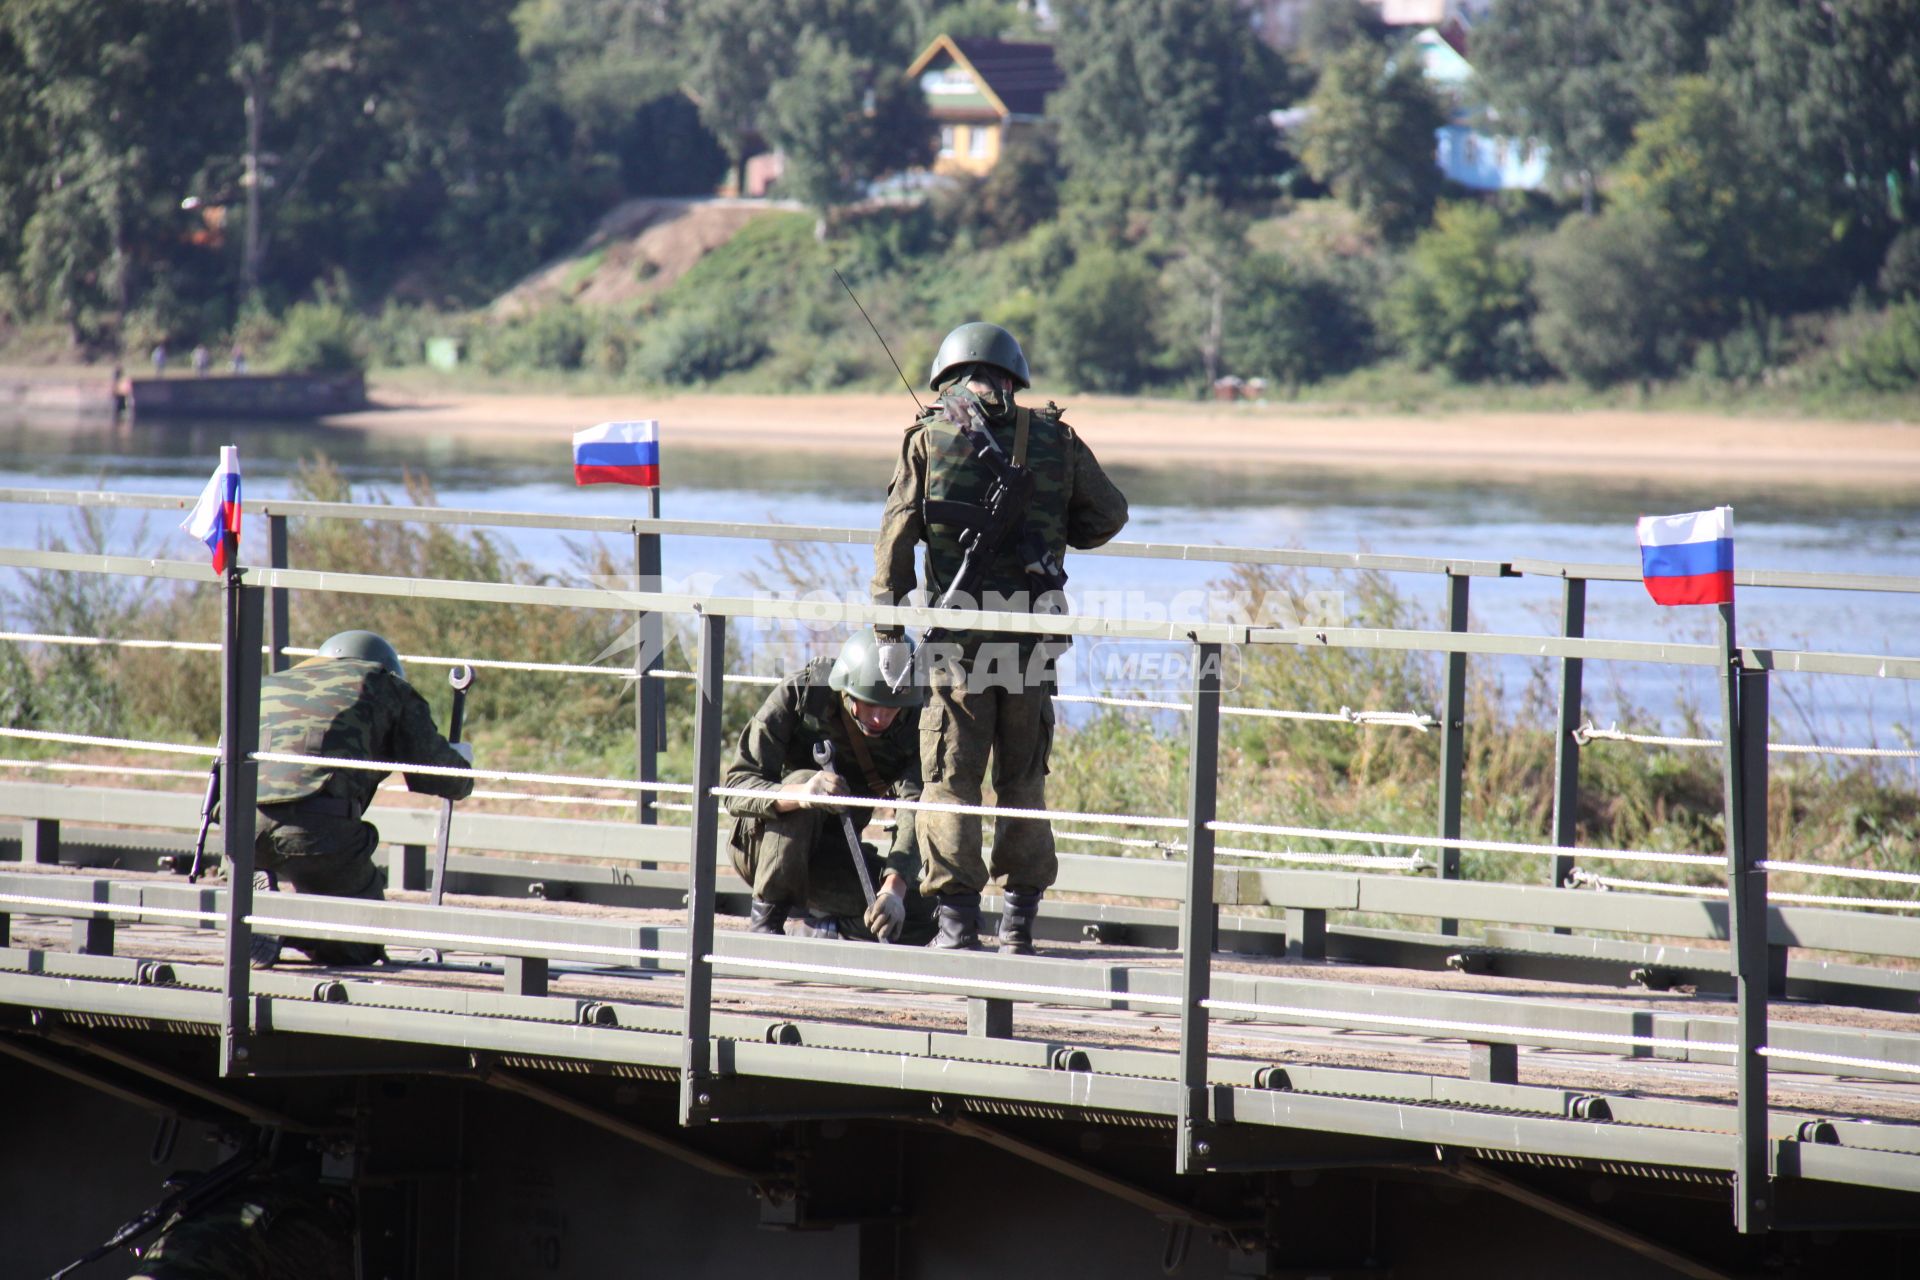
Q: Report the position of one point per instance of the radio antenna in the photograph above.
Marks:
(883, 342)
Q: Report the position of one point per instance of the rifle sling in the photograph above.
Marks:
(860, 751)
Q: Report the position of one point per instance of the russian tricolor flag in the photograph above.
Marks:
(618, 453)
(217, 514)
(1688, 559)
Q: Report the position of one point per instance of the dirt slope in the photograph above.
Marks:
(639, 248)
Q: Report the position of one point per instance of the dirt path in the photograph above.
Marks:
(1612, 444)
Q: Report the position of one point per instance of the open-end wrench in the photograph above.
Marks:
(823, 756)
(461, 678)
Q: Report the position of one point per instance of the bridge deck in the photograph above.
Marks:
(1132, 1041)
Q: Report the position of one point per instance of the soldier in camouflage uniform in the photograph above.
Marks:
(350, 701)
(990, 695)
(788, 843)
(273, 1229)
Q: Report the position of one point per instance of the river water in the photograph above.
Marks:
(1320, 510)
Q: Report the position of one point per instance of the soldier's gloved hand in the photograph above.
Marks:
(823, 783)
(889, 911)
(896, 663)
(464, 750)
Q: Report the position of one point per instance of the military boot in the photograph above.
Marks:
(958, 915)
(263, 949)
(818, 924)
(1018, 907)
(768, 917)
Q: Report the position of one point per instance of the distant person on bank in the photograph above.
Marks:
(350, 701)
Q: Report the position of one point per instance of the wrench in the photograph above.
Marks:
(823, 756)
(461, 678)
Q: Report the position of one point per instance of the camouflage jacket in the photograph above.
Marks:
(1074, 503)
(351, 710)
(776, 748)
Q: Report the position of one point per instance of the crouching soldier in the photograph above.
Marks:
(350, 701)
(789, 842)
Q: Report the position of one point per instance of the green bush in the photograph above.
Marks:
(1097, 329)
(1900, 269)
(1612, 292)
(319, 337)
(1462, 303)
(554, 337)
(700, 343)
(1289, 325)
(1887, 358)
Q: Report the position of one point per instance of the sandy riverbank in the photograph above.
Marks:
(1612, 444)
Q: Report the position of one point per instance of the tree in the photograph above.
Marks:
(1212, 242)
(1369, 135)
(1331, 27)
(1164, 100)
(1580, 74)
(818, 78)
(1463, 293)
(1612, 294)
(100, 151)
(1291, 325)
(1099, 329)
(1734, 214)
(1835, 90)
(841, 119)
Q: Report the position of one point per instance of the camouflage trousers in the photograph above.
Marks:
(259, 1232)
(801, 859)
(967, 725)
(324, 854)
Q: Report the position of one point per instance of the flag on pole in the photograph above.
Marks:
(1688, 559)
(217, 515)
(618, 453)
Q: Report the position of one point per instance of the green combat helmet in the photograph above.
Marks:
(856, 673)
(365, 646)
(979, 343)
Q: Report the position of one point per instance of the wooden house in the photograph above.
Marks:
(978, 91)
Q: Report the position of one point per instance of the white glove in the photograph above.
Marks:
(887, 914)
(464, 750)
(896, 663)
(823, 783)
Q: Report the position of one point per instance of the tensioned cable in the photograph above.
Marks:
(1839, 1059)
(444, 771)
(92, 740)
(34, 637)
(1590, 732)
(114, 908)
(1841, 872)
(885, 976)
(1582, 877)
(1475, 846)
(1542, 1033)
(1413, 863)
(484, 943)
(983, 810)
(128, 770)
(1345, 715)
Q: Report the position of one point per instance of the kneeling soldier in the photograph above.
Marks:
(790, 843)
(351, 701)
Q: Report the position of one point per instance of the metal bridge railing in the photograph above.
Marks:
(1745, 673)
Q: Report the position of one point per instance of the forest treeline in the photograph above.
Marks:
(1732, 198)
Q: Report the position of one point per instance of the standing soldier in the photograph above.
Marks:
(997, 492)
(789, 843)
(350, 701)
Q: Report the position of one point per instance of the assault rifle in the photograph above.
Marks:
(1000, 520)
(209, 805)
(187, 1195)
